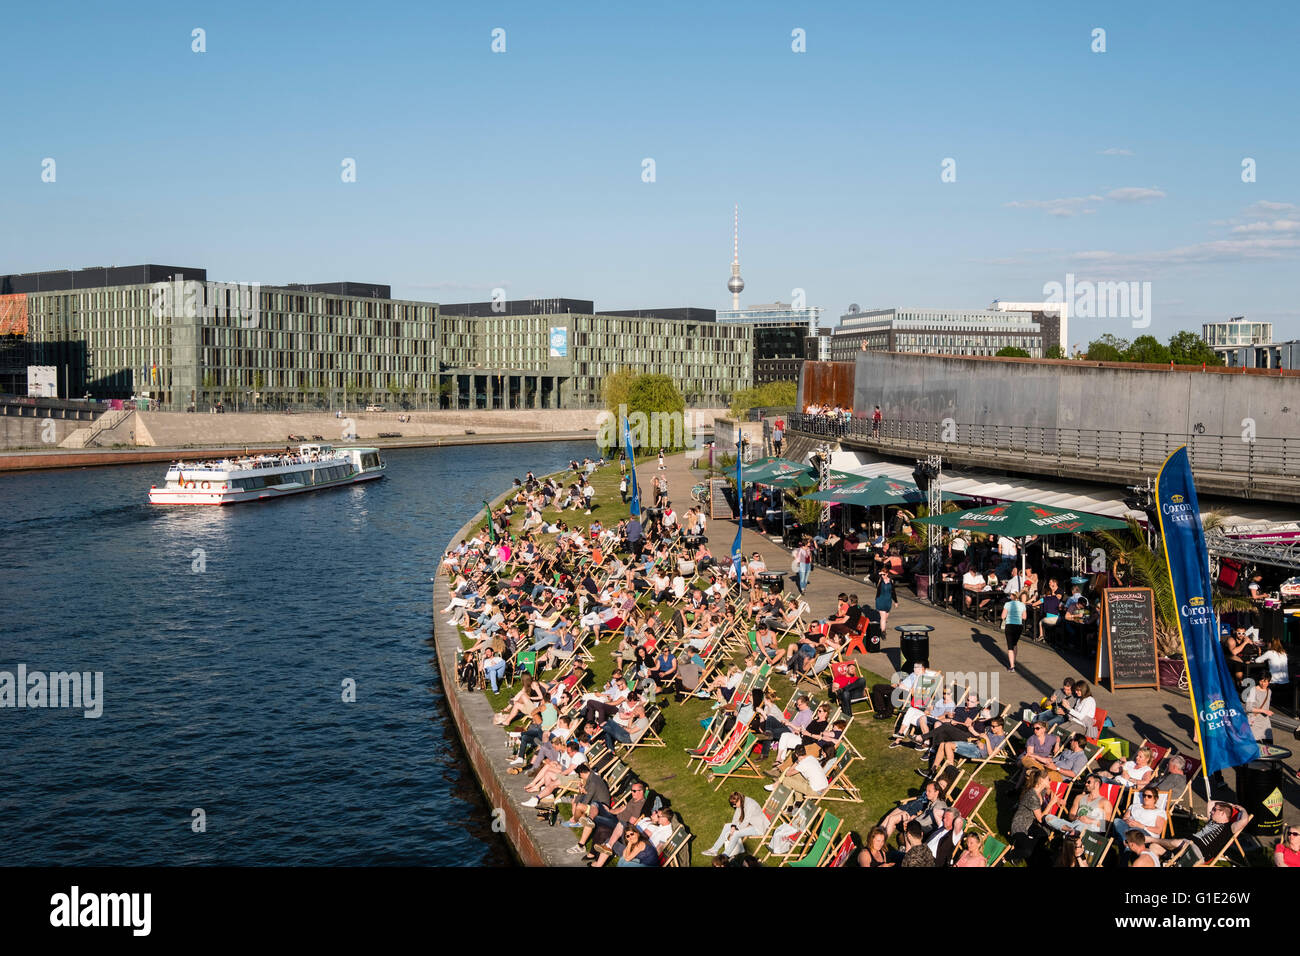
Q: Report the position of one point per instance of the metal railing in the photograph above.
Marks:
(1226, 454)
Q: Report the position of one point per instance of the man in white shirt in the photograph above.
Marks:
(972, 583)
(809, 779)
(1144, 814)
(747, 820)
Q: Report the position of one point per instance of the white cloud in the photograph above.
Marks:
(1135, 194)
(1276, 225)
(1217, 250)
(1267, 208)
(1056, 207)
(1116, 151)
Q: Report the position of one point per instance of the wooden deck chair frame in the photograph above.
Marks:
(675, 846)
(835, 669)
(795, 627)
(820, 847)
(839, 856)
(805, 818)
(1234, 842)
(1000, 756)
(1113, 792)
(740, 765)
(723, 751)
(776, 808)
(999, 850)
(841, 788)
(971, 800)
(647, 736)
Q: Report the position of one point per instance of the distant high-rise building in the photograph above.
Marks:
(935, 331)
(780, 331)
(1054, 317)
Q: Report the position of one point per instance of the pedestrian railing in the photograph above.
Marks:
(1228, 454)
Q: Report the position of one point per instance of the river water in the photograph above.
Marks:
(225, 637)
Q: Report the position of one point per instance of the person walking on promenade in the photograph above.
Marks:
(876, 418)
(803, 564)
(886, 599)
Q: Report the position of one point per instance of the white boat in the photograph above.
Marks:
(258, 477)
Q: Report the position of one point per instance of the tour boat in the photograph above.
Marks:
(256, 477)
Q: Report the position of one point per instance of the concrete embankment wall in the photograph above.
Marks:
(533, 844)
(180, 429)
(25, 432)
(1074, 395)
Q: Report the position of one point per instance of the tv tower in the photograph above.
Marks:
(736, 285)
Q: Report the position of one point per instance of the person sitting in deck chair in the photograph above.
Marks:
(1210, 840)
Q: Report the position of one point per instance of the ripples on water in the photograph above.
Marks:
(222, 689)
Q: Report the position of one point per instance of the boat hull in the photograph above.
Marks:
(215, 496)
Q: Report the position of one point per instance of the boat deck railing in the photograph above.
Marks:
(260, 461)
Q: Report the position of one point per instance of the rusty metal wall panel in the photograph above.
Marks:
(827, 383)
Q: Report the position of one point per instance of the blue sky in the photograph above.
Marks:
(523, 169)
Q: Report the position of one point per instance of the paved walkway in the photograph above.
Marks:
(958, 644)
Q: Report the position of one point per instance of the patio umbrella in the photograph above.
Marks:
(1021, 519)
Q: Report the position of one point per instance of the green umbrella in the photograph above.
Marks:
(1019, 519)
(768, 468)
(872, 493)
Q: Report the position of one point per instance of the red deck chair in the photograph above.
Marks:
(1098, 723)
(971, 799)
(857, 641)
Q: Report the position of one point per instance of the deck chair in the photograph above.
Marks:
(524, 661)
(723, 752)
(1231, 844)
(1098, 725)
(857, 642)
(1114, 793)
(838, 669)
(841, 854)
(970, 800)
(645, 735)
(795, 828)
(796, 625)
(1001, 755)
(820, 849)
(776, 807)
(842, 789)
(1095, 844)
(994, 850)
(675, 850)
(741, 764)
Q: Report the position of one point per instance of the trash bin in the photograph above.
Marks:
(1259, 790)
(915, 644)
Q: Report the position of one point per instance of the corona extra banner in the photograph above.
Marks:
(1223, 731)
(13, 314)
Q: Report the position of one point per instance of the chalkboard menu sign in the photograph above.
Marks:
(1126, 651)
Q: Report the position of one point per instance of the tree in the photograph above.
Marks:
(1107, 349)
(1188, 348)
(657, 399)
(1055, 352)
(771, 395)
(1147, 349)
(1011, 351)
(615, 387)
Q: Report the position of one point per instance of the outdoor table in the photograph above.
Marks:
(773, 581)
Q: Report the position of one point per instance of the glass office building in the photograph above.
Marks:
(935, 331)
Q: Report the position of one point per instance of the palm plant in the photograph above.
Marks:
(1150, 569)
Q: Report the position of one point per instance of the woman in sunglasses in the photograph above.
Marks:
(1288, 848)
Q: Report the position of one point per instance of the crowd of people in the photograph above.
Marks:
(678, 623)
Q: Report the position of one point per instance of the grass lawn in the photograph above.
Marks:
(883, 776)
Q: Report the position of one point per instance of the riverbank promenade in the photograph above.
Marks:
(878, 776)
